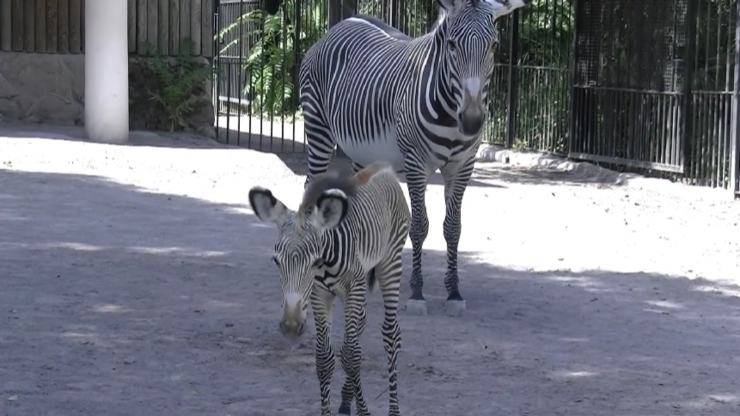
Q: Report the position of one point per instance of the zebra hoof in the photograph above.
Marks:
(416, 307)
(455, 308)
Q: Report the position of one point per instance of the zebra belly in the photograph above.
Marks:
(380, 149)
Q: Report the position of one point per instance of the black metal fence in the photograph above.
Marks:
(639, 85)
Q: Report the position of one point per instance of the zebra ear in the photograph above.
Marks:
(504, 7)
(266, 206)
(450, 5)
(331, 208)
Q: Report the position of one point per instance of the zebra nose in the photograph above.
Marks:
(471, 122)
(292, 328)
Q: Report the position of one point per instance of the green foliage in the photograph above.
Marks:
(175, 85)
(268, 44)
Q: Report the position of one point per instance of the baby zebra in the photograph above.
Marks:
(348, 233)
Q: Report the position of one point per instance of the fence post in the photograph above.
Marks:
(341, 9)
(735, 123)
(573, 74)
(513, 93)
(688, 86)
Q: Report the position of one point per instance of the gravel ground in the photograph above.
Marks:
(135, 280)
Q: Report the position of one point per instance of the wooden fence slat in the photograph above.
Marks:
(184, 23)
(52, 18)
(63, 26)
(132, 26)
(195, 22)
(6, 26)
(141, 34)
(40, 25)
(29, 26)
(207, 19)
(174, 27)
(164, 27)
(75, 26)
(17, 25)
(152, 28)
(82, 26)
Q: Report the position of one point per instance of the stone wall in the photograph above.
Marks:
(50, 88)
(39, 88)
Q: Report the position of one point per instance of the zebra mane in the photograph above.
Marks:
(338, 179)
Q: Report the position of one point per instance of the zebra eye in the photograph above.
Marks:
(451, 45)
(275, 260)
(318, 263)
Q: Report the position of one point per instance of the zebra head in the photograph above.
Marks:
(468, 37)
(298, 250)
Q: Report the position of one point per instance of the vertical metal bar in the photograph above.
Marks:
(297, 65)
(240, 86)
(735, 126)
(688, 81)
(572, 79)
(217, 64)
(513, 93)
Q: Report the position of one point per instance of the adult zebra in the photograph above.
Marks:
(418, 104)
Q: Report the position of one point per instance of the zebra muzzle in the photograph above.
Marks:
(471, 120)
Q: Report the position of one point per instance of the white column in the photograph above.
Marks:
(106, 70)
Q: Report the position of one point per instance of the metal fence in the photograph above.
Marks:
(649, 86)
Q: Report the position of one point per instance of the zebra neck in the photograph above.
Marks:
(439, 92)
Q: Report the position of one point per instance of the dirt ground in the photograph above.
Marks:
(136, 281)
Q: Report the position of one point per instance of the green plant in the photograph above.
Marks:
(176, 85)
(268, 43)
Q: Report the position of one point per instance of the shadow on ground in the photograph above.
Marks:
(117, 301)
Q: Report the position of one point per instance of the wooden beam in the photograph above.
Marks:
(131, 25)
(152, 24)
(174, 27)
(207, 31)
(184, 24)
(40, 16)
(164, 27)
(17, 25)
(63, 26)
(75, 26)
(29, 26)
(52, 21)
(195, 25)
(141, 33)
(6, 25)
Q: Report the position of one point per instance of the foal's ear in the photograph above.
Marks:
(331, 208)
(266, 206)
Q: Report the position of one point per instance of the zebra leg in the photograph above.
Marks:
(319, 141)
(321, 302)
(416, 180)
(389, 279)
(354, 325)
(456, 178)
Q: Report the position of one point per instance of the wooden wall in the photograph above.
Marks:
(154, 26)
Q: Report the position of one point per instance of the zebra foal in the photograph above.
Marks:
(347, 234)
(419, 104)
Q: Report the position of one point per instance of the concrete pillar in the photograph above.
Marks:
(106, 70)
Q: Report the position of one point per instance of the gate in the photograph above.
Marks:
(258, 48)
(653, 87)
(650, 86)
